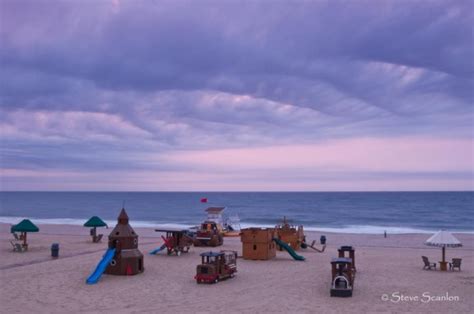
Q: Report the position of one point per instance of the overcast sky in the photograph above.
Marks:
(236, 95)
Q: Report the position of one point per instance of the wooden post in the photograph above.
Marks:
(443, 265)
(24, 240)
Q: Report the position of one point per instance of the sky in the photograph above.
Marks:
(236, 95)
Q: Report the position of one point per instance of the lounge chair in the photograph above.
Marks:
(16, 236)
(98, 238)
(428, 265)
(17, 247)
(456, 263)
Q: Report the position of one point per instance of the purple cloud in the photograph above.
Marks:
(99, 85)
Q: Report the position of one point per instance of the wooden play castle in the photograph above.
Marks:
(257, 243)
(128, 260)
(292, 235)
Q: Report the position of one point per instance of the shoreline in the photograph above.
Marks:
(353, 229)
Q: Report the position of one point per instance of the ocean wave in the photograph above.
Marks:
(356, 229)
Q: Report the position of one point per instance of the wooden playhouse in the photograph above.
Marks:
(128, 260)
(258, 244)
(292, 235)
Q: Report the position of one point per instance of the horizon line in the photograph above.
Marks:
(243, 191)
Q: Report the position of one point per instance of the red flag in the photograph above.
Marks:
(204, 200)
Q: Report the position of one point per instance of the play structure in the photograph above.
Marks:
(208, 234)
(348, 252)
(257, 243)
(122, 256)
(291, 235)
(229, 227)
(260, 244)
(312, 246)
(343, 276)
(175, 241)
(95, 222)
(289, 249)
(216, 266)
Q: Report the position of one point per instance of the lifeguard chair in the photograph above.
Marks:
(216, 214)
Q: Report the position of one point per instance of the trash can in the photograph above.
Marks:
(322, 240)
(55, 250)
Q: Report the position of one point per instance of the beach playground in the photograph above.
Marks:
(390, 277)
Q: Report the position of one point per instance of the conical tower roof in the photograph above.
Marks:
(122, 229)
(123, 217)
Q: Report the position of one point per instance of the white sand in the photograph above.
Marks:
(32, 282)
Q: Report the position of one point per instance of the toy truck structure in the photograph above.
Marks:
(208, 235)
(216, 266)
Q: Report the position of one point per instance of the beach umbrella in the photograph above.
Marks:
(443, 239)
(95, 222)
(24, 227)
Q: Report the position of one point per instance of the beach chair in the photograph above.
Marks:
(16, 236)
(98, 238)
(428, 265)
(456, 263)
(17, 247)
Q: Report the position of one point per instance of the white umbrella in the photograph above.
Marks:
(443, 239)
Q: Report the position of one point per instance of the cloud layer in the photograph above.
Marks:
(152, 91)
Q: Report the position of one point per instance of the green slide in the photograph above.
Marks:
(289, 250)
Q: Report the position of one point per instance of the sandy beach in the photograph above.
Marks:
(34, 282)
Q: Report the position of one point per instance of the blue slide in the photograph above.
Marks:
(289, 250)
(99, 270)
(155, 251)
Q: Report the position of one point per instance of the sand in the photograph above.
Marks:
(32, 282)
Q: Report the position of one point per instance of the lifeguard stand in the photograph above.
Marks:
(348, 249)
(215, 214)
(257, 243)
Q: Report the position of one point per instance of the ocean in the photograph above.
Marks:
(351, 212)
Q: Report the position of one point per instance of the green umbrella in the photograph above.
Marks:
(94, 222)
(24, 226)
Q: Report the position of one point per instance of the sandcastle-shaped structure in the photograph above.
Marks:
(257, 243)
(128, 260)
(290, 234)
